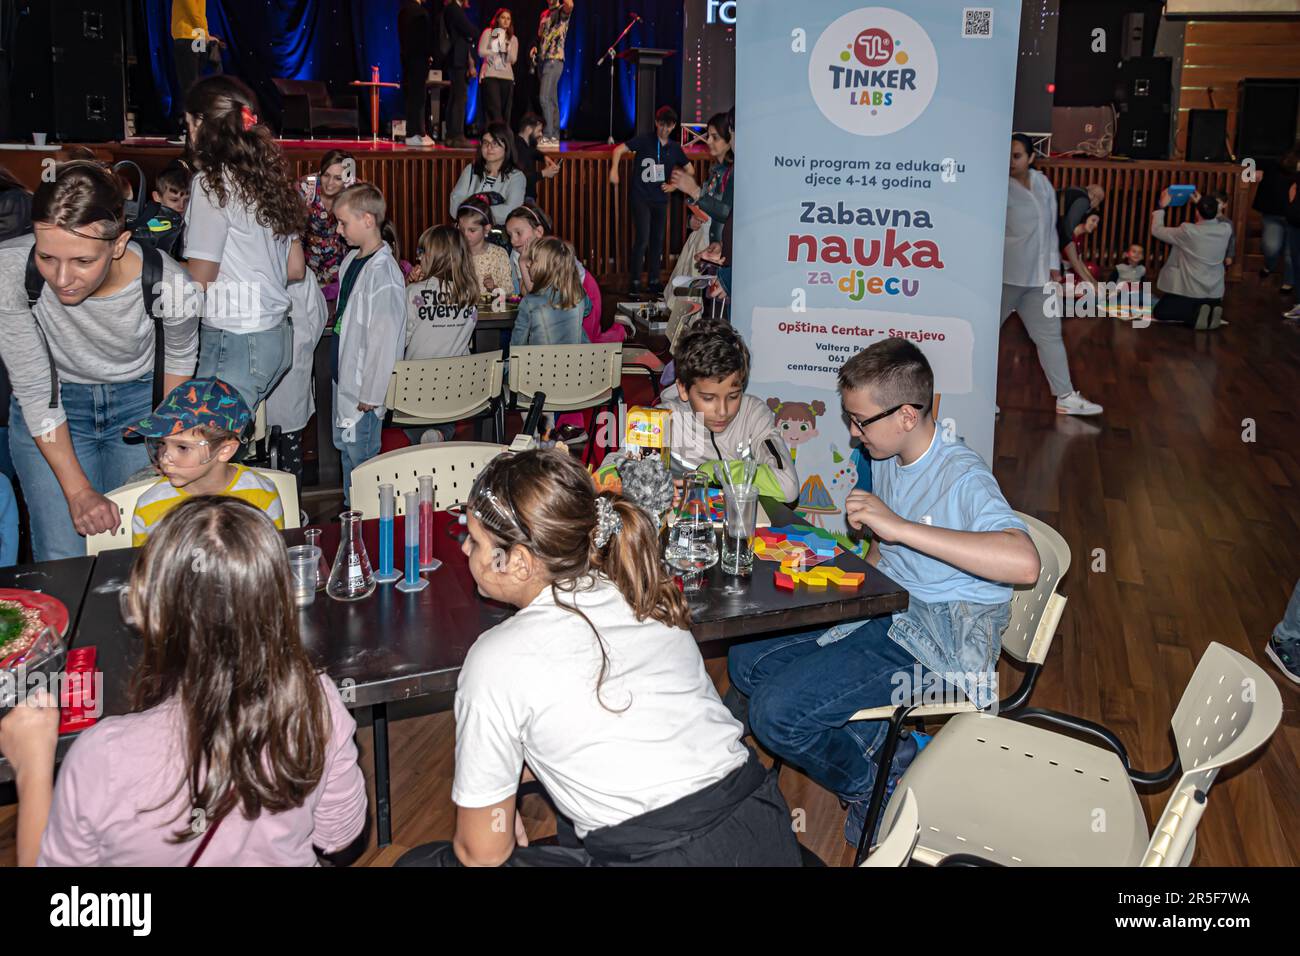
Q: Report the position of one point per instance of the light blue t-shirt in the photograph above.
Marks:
(947, 487)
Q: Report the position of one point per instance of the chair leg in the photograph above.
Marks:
(877, 803)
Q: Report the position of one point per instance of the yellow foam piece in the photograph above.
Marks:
(760, 546)
(830, 571)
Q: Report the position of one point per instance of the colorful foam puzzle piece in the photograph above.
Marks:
(760, 546)
(783, 581)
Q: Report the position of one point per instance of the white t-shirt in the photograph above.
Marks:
(527, 692)
(436, 327)
(251, 291)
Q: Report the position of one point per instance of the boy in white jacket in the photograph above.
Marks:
(371, 327)
(713, 418)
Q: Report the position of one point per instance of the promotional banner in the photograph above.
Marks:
(870, 197)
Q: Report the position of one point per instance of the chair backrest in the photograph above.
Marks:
(444, 389)
(896, 848)
(572, 377)
(126, 497)
(453, 464)
(1036, 608)
(1230, 709)
(259, 422)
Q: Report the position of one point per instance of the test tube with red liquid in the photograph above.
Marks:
(427, 561)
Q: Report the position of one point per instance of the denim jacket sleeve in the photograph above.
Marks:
(958, 640)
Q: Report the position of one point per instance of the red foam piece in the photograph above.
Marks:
(783, 581)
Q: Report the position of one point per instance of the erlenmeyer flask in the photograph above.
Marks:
(351, 579)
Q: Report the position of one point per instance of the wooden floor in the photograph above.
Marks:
(1194, 532)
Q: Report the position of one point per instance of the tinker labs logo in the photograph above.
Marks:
(873, 71)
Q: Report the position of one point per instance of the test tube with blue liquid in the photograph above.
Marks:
(412, 581)
(386, 573)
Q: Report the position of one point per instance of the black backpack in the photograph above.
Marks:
(151, 277)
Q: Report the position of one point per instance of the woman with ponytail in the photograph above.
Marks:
(598, 686)
(241, 238)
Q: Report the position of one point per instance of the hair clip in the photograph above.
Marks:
(249, 118)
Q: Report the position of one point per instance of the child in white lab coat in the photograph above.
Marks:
(371, 332)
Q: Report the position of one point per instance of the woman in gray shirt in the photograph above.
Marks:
(81, 359)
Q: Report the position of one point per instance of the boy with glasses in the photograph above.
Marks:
(191, 438)
(941, 528)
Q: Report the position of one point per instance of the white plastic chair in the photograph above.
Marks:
(1011, 793)
(441, 390)
(126, 497)
(572, 377)
(896, 848)
(454, 465)
(1035, 614)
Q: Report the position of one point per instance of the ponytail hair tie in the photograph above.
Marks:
(249, 118)
(608, 522)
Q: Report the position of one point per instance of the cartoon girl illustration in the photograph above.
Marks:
(796, 421)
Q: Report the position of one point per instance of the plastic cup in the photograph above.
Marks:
(303, 561)
(738, 532)
(39, 138)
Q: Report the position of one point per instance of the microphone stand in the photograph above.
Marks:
(611, 55)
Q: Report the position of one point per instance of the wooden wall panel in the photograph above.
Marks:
(1218, 55)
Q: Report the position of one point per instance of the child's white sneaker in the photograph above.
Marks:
(1076, 404)
(431, 437)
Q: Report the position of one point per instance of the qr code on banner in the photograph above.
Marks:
(976, 22)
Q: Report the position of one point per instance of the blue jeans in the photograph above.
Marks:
(96, 416)
(1288, 629)
(251, 364)
(1274, 245)
(8, 523)
(802, 694)
(552, 70)
(1293, 246)
(538, 322)
(357, 445)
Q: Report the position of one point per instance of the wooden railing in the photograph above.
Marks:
(1133, 191)
(594, 215)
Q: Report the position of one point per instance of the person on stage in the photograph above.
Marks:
(415, 36)
(656, 158)
(529, 158)
(458, 68)
(193, 48)
(548, 55)
(498, 48)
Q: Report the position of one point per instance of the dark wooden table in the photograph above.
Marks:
(392, 646)
(66, 580)
(488, 330)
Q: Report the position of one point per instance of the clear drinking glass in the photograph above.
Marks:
(738, 532)
(351, 579)
(304, 559)
(692, 543)
(312, 537)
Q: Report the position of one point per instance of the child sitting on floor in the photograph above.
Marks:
(233, 750)
(1131, 268)
(598, 684)
(713, 418)
(941, 528)
(191, 438)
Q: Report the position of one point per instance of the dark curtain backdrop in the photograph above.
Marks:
(338, 40)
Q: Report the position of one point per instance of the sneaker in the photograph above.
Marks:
(1076, 404)
(431, 437)
(908, 748)
(1293, 314)
(1202, 318)
(549, 144)
(1286, 655)
(419, 141)
(635, 288)
(1216, 317)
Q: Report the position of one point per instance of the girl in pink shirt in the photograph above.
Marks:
(236, 751)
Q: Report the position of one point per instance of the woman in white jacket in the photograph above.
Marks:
(1031, 273)
(372, 333)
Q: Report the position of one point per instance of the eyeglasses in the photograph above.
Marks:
(182, 454)
(862, 423)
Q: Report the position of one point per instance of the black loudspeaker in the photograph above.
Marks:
(1266, 118)
(69, 55)
(1142, 94)
(1207, 136)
